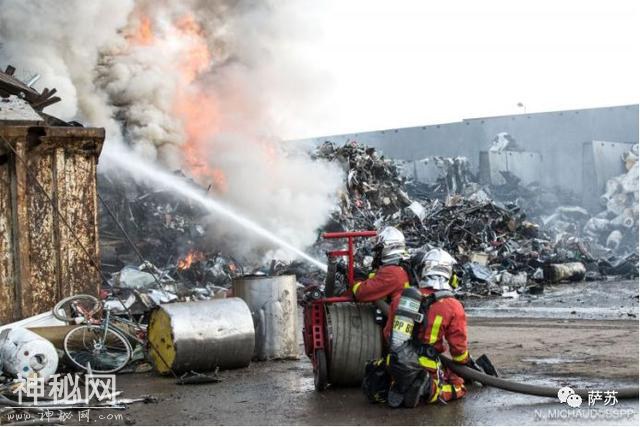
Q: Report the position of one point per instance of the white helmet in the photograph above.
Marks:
(437, 269)
(390, 242)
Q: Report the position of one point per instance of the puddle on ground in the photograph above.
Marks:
(551, 360)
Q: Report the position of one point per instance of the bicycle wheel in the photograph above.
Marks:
(78, 306)
(105, 352)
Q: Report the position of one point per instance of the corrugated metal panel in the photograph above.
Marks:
(525, 165)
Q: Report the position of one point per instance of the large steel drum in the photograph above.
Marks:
(201, 336)
(273, 304)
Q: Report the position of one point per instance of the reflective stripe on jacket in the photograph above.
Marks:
(446, 320)
(388, 282)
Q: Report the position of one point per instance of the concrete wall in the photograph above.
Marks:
(558, 136)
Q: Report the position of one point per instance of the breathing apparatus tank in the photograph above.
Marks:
(407, 314)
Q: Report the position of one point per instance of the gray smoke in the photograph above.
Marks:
(195, 85)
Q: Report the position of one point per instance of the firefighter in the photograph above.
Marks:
(389, 277)
(444, 320)
(420, 320)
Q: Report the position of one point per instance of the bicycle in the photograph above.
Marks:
(98, 345)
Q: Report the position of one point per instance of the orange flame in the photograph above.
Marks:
(190, 258)
(196, 107)
(143, 34)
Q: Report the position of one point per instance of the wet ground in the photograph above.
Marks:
(612, 300)
(540, 345)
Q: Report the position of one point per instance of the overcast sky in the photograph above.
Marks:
(387, 64)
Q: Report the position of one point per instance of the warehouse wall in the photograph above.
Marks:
(558, 136)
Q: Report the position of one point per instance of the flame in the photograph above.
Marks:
(193, 104)
(191, 257)
(143, 34)
(197, 58)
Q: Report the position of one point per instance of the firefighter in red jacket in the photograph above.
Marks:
(445, 321)
(389, 278)
(442, 319)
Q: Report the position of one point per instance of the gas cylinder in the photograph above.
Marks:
(407, 314)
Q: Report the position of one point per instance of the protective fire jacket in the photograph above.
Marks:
(386, 283)
(446, 319)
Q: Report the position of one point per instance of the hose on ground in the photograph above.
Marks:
(472, 375)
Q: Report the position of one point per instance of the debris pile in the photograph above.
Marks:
(502, 236)
(374, 186)
(165, 252)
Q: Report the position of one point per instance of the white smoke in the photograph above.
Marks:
(193, 84)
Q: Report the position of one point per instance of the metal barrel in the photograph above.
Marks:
(273, 304)
(201, 336)
(354, 339)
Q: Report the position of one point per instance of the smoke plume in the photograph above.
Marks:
(196, 85)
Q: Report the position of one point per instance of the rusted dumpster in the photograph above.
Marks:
(41, 259)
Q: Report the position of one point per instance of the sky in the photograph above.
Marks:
(387, 64)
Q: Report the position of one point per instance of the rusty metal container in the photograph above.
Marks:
(41, 259)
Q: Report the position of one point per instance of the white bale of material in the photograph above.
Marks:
(629, 181)
(26, 354)
(614, 239)
(626, 219)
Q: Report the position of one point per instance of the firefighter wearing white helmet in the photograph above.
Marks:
(389, 247)
(389, 278)
(437, 270)
(440, 324)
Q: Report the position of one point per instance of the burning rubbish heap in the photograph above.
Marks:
(488, 228)
(503, 236)
(162, 244)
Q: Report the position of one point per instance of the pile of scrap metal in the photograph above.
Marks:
(156, 249)
(150, 242)
(503, 236)
(374, 185)
(504, 247)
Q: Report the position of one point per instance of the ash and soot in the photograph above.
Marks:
(193, 86)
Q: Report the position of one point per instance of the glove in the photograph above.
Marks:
(360, 274)
(483, 364)
(486, 365)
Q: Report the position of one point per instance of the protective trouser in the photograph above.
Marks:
(445, 385)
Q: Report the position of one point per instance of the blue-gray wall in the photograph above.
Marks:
(558, 136)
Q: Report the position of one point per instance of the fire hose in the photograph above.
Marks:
(472, 375)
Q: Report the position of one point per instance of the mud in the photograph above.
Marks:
(579, 353)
